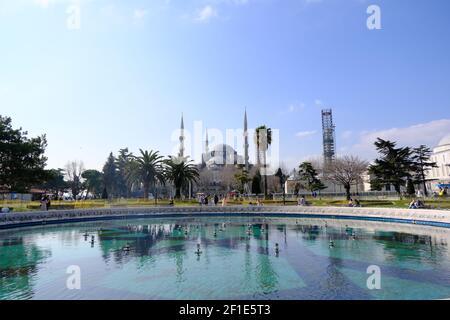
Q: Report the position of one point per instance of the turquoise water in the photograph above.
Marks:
(157, 259)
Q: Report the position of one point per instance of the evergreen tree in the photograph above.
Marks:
(410, 190)
(308, 174)
(242, 179)
(22, 160)
(110, 175)
(93, 182)
(104, 194)
(55, 181)
(282, 179)
(256, 183)
(393, 167)
(421, 163)
(122, 162)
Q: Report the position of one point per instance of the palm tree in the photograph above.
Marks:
(146, 169)
(181, 172)
(263, 139)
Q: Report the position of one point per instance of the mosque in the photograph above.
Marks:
(439, 177)
(216, 159)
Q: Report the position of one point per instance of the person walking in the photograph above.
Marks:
(216, 199)
(47, 203)
(43, 204)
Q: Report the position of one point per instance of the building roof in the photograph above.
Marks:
(445, 141)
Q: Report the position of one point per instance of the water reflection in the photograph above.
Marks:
(157, 259)
(18, 265)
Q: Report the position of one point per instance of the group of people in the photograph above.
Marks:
(45, 203)
(354, 203)
(203, 200)
(258, 203)
(416, 204)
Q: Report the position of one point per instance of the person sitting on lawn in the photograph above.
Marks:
(413, 204)
(350, 203)
(302, 201)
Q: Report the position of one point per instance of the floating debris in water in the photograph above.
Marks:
(199, 251)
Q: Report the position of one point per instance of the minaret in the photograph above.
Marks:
(181, 153)
(206, 143)
(206, 153)
(246, 158)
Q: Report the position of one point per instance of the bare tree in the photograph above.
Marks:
(74, 170)
(227, 177)
(206, 179)
(347, 171)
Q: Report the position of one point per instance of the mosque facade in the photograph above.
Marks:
(439, 177)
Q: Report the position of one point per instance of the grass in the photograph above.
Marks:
(21, 206)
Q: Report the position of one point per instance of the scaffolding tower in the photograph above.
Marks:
(329, 139)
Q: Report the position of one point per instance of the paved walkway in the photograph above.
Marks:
(439, 218)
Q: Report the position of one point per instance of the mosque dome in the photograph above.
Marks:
(222, 154)
(444, 145)
(444, 141)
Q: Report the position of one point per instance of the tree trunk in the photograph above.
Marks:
(265, 176)
(425, 191)
(347, 191)
(399, 192)
(146, 190)
(178, 193)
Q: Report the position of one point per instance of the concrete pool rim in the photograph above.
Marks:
(434, 218)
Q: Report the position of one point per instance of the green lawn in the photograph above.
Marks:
(21, 206)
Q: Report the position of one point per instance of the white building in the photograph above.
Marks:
(441, 174)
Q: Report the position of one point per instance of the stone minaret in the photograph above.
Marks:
(246, 145)
(181, 153)
(206, 153)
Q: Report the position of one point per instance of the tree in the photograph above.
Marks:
(110, 174)
(228, 177)
(393, 167)
(263, 139)
(309, 176)
(242, 179)
(410, 190)
(93, 182)
(347, 171)
(206, 179)
(256, 183)
(146, 169)
(22, 160)
(283, 178)
(74, 170)
(421, 163)
(181, 173)
(55, 181)
(122, 161)
(104, 194)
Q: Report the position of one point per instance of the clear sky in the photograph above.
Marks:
(125, 76)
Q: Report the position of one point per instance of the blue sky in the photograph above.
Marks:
(126, 75)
